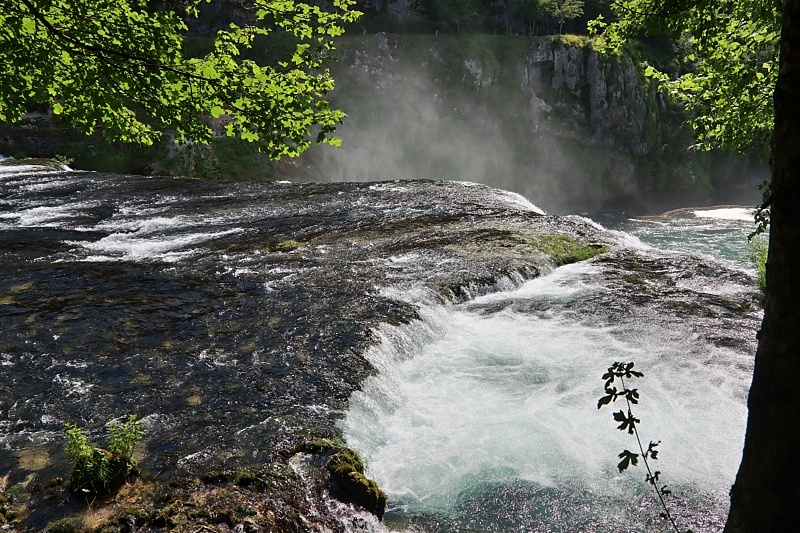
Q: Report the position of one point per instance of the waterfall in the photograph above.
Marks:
(483, 415)
(240, 320)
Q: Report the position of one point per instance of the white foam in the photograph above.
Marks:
(518, 200)
(47, 216)
(215, 357)
(47, 184)
(148, 246)
(72, 386)
(166, 238)
(406, 258)
(463, 397)
(14, 170)
(146, 226)
(389, 187)
(726, 213)
(621, 238)
(563, 281)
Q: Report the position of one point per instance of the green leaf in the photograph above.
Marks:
(29, 25)
(57, 108)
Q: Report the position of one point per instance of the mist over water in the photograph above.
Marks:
(484, 109)
(429, 108)
(417, 135)
(483, 416)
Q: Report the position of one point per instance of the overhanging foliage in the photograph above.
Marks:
(118, 67)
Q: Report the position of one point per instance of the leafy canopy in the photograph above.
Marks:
(120, 67)
(732, 51)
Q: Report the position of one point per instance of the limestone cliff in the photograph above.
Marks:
(568, 127)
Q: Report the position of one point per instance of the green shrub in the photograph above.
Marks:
(759, 247)
(96, 471)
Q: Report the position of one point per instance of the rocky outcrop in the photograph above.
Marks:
(604, 101)
(607, 94)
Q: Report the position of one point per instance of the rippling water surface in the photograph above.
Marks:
(232, 317)
(718, 232)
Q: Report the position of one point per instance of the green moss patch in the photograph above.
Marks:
(564, 249)
(284, 246)
(349, 483)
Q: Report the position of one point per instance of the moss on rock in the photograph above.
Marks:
(350, 484)
(284, 246)
(564, 249)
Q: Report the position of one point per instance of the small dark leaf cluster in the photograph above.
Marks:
(628, 422)
(621, 371)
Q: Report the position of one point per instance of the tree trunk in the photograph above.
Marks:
(766, 495)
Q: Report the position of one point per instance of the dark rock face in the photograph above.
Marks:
(607, 94)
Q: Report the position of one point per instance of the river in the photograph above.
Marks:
(420, 320)
(483, 416)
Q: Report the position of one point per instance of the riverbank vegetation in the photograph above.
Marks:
(96, 471)
(759, 249)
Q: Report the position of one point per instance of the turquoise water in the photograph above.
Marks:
(718, 232)
(483, 416)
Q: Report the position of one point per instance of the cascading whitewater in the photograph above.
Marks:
(483, 414)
